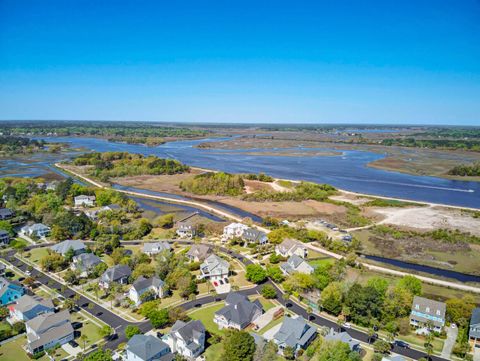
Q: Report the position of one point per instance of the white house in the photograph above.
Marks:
(238, 312)
(39, 230)
(156, 247)
(144, 289)
(48, 330)
(233, 230)
(214, 268)
(289, 247)
(186, 229)
(296, 264)
(187, 339)
(84, 201)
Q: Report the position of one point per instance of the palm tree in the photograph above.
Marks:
(84, 339)
(370, 333)
(96, 289)
(111, 298)
(339, 324)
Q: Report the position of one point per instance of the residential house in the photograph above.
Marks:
(186, 229)
(296, 264)
(290, 247)
(474, 328)
(111, 207)
(117, 274)
(4, 238)
(78, 247)
(238, 312)
(38, 230)
(343, 337)
(147, 348)
(10, 291)
(48, 330)
(187, 339)
(6, 213)
(144, 289)
(156, 247)
(252, 235)
(84, 201)
(198, 252)
(234, 230)
(85, 263)
(52, 186)
(92, 214)
(428, 313)
(295, 333)
(28, 307)
(214, 268)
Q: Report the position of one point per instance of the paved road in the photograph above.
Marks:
(119, 323)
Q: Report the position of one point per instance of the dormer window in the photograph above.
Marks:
(438, 312)
(417, 307)
(427, 309)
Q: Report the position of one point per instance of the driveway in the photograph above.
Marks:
(476, 354)
(452, 333)
(270, 333)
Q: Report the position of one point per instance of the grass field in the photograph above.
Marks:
(214, 352)
(205, 314)
(13, 351)
(37, 254)
(91, 330)
(319, 262)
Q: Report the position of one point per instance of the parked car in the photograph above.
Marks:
(215, 283)
(347, 325)
(401, 343)
(73, 343)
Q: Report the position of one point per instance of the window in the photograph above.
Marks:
(427, 309)
(417, 307)
(438, 312)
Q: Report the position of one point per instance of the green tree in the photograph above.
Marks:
(276, 274)
(412, 284)
(289, 353)
(256, 273)
(84, 339)
(268, 291)
(238, 346)
(106, 331)
(69, 254)
(381, 346)
(99, 355)
(159, 318)
(460, 310)
(131, 331)
(332, 298)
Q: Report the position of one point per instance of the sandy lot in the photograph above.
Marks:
(350, 198)
(429, 218)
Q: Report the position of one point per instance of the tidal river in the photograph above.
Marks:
(348, 171)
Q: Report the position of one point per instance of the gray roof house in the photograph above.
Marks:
(289, 247)
(214, 268)
(394, 358)
(156, 247)
(28, 307)
(63, 247)
(252, 235)
(425, 311)
(187, 339)
(147, 348)
(474, 328)
(154, 286)
(6, 213)
(198, 252)
(118, 274)
(295, 333)
(4, 237)
(3, 268)
(85, 263)
(48, 330)
(238, 312)
(296, 264)
(343, 337)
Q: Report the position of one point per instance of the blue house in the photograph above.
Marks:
(10, 292)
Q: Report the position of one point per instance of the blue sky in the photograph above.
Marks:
(241, 61)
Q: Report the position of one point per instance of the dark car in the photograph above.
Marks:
(77, 325)
(159, 334)
(112, 337)
(401, 343)
(73, 343)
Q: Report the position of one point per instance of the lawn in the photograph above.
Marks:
(417, 340)
(37, 254)
(205, 314)
(322, 261)
(266, 304)
(13, 351)
(91, 330)
(271, 325)
(18, 243)
(214, 352)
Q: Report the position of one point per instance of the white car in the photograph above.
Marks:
(347, 325)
